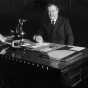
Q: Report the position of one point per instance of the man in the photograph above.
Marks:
(56, 30)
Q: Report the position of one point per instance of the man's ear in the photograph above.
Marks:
(58, 10)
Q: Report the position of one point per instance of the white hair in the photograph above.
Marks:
(53, 5)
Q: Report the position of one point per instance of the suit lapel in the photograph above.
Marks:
(57, 23)
(49, 25)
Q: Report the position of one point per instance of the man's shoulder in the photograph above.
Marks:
(62, 18)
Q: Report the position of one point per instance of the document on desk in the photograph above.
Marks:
(25, 44)
(76, 48)
(59, 54)
(2, 38)
(46, 49)
(39, 45)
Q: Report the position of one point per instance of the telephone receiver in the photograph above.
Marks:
(21, 21)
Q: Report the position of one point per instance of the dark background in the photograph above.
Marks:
(34, 11)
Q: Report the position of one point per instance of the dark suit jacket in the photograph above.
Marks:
(61, 33)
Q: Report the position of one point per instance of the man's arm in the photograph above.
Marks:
(68, 34)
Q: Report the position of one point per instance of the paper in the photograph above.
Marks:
(77, 48)
(2, 38)
(35, 46)
(46, 49)
(59, 54)
(3, 51)
(25, 44)
(42, 44)
(39, 45)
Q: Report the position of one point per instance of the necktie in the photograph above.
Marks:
(53, 23)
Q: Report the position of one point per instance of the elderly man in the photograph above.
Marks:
(56, 29)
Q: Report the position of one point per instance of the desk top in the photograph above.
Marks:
(47, 54)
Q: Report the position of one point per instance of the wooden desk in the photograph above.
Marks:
(29, 67)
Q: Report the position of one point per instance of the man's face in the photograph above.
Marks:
(53, 12)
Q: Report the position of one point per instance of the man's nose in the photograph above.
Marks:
(51, 13)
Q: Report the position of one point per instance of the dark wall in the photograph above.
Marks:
(34, 12)
(79, 20)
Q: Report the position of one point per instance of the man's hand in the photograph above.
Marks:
(38, 39)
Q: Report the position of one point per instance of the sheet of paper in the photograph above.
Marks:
(35, 46)
(70, 46)
(39, 45)
(77, 48)
(59, 54)
(25, 44)
(46, 49)
(2, 38)
(42, 44)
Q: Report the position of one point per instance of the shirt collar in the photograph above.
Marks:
(54, 20)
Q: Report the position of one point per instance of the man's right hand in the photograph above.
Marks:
(38, 38)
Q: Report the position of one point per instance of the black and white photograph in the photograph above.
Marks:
(43, 43)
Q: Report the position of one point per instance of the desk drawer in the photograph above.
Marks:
(85, 73)
(75, 76)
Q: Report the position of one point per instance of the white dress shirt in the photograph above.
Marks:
(54, 20)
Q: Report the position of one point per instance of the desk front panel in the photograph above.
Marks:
(22, 62)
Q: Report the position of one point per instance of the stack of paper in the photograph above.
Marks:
(77, 48)
(59, 54)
